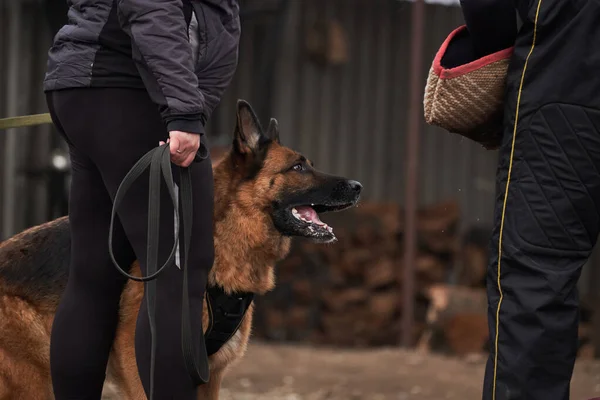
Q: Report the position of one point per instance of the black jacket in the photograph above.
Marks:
(184, 52)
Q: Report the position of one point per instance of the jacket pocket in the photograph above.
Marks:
(213, 28)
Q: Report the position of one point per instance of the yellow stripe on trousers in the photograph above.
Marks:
(512, 152)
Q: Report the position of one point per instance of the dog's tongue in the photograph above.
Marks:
(308, 213)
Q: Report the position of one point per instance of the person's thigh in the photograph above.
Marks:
(126, 125)
(544, 233)
(85, 322)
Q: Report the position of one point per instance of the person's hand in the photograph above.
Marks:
(183, 147)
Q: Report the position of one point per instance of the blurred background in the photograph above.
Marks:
(359, 319)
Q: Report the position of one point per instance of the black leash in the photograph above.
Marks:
(159, 160)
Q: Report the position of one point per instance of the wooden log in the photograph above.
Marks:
(439, 241)
(430, 269)
(473, 258)
(447, 300)
(338, 300)
(352, 263)
(302, 291)
(337, 278)
(452, 310)
(383, 307)
(443, 216)
(298, 318)
(386, 216)
(466, 333)
(381, 273)
(346, 329)
(288, 269)
(274, 323)
(473, 266)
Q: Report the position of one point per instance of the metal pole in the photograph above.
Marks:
(412, 162)
(10, 145)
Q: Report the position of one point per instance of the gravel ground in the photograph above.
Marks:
(286, 372)
(271, 372)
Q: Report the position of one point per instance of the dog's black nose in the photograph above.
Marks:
(355, 186)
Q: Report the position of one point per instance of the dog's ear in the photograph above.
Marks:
(273, 130)
(248, 136)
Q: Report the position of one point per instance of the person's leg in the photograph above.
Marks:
(122, 125)
(86, 318)
(543, 235)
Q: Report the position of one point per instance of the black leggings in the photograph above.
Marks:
(108, 130)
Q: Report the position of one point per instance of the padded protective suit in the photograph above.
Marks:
(548, 190)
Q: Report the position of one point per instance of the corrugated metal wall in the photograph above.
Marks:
(24, 41)
(351, 119)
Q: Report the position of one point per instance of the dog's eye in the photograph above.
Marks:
(298, 167)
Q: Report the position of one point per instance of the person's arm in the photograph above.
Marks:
(159, 40)
(491, 23)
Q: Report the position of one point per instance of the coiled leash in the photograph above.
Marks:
(159, 160)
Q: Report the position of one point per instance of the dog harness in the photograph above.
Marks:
(226, 312)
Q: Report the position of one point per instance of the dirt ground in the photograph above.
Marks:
(270, 372)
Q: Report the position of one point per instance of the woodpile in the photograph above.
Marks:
(349, 294)
(472, 260)
(456, 320)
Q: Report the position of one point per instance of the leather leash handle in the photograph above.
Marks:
(149, 159)
(159, 160)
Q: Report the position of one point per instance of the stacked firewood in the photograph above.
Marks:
(350, 293)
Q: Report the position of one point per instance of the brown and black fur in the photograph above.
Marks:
(256, 185)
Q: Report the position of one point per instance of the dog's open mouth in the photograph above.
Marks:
(299, 215)
(310, 224)
(309, 215)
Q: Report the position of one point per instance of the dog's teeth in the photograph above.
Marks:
(296, 214)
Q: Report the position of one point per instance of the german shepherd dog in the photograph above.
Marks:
(265, 194)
